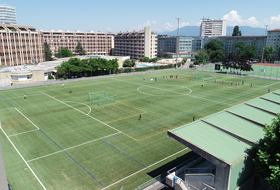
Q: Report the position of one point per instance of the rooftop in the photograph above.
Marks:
(228, 134)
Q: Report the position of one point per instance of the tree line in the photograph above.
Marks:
(76, 67)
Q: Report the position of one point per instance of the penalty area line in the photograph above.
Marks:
(23, 132)
(72, 147)
(144, 169)
(23, 159)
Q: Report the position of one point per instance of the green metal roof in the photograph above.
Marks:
(275, 96)
(252, 113)
(212, 140)
(265, 104)
(236, 125)
(228, 134)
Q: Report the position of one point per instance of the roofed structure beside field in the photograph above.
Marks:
(224, 139)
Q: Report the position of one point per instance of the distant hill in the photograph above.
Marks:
(195, 30)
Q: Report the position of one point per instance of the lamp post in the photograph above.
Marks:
(264, 43)
(177, 52)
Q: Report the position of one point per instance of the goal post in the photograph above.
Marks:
(94, 96)
(107, 100)
(209, 80)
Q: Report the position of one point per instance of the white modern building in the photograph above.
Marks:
(136, 44)
(8, 14)
(171, 44)
(213, 28)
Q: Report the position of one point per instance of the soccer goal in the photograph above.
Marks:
(107, 100)
(209, 80)
(94, 96)
(199, 78)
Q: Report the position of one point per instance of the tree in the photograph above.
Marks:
(85, 67)
(166, 56)
(240, 46)
(267, 154)
(278, 54)
(202, 57)
(250, 51)
(48, 53)
(144, 59)
(79, 49)
(236, 31)
(63, 52)
(269, 53)
(215, 50)
(237, 62)
(129, 63)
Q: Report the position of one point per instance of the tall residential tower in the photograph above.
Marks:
(8, 14)
(213, 28)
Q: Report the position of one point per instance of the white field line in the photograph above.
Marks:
(24, 160)
(211, 100)
(272, 84)
(23, 132)
(6, 108)
(144, 168)
(27, 118)
(82, 104)
(180, 93)
(72, 147)
(83, 113)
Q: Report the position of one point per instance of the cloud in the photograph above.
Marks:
(168, 27)
(184, 24)
(274, 22)
(158, 27)
(233, 19)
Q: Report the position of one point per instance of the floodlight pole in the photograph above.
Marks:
(177, 52)
(264, 44)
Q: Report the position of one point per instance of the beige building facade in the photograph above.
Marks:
(94, 43)
(136, 44)
(20, 45)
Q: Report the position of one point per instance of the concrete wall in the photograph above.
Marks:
(222, 168)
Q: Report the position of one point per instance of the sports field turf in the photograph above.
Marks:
(54, 139)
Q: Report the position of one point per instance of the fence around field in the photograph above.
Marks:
(259, 71)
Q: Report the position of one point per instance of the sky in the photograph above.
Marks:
(128, 15)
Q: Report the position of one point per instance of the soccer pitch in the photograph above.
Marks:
(54, 139)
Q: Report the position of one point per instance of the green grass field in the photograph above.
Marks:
(267, 71)
(54, 139)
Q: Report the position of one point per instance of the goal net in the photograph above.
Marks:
(94, 96)
(209, 80)
(107, 100)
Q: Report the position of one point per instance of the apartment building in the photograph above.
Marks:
(136, 44)
(197, 43)
(94, 43)
(212, 28)
(273, 39)
(172, 44)
(20, 45)
(230, 41)
(8, 14)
